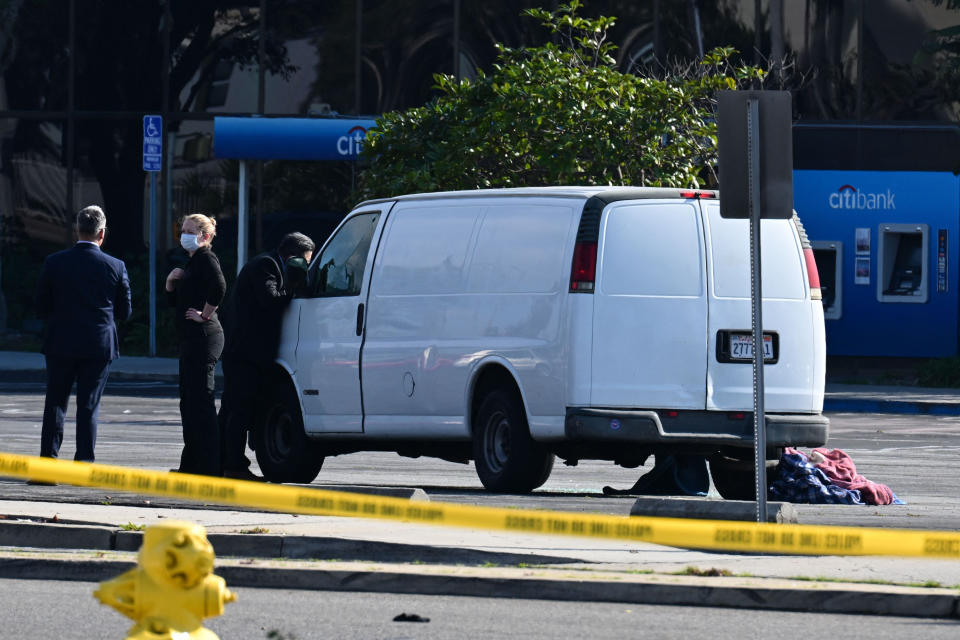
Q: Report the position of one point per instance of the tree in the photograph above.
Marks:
(556, 114)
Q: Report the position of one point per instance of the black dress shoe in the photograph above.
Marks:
(242, 474)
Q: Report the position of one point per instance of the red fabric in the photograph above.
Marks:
(839, 467)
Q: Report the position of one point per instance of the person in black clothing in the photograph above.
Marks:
(253, 315)
(196, 291)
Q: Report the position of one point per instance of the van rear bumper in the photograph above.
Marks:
(692, 427)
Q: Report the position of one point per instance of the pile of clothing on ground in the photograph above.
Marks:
(825, 476)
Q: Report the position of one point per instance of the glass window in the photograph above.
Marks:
(652, 250)
(781, 266)
(34, 220)
(339, 269)
(425, 249)
(34, 56)
(520, 250)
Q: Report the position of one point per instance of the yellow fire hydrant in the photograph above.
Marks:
(173, 589)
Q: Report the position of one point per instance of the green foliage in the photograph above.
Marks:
(940, 372)
(556, 114)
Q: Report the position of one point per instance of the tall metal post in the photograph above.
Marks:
(756, 294)
(242, 217)
(153, 263)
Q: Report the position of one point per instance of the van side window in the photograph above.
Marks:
(338, 271)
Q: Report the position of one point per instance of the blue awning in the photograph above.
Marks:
(289, 138)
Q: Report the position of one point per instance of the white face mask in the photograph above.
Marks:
(189, 241)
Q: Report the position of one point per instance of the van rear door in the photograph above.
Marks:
(789, 317)
(650, 307)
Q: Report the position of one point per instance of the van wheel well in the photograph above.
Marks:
(490, 379)
(283, 451)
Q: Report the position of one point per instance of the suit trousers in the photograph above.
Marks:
(241, 386)
(90, 374)
(198, 409)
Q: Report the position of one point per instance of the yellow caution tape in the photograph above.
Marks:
(674, 532)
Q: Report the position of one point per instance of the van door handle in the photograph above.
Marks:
(360, 319)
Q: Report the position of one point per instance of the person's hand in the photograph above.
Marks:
(196, 316)
(173, 276)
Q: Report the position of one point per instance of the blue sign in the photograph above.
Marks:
(289, 138)
(152, 143)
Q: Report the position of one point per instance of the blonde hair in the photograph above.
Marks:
(205, 224)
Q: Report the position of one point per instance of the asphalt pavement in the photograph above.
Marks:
(45, 539)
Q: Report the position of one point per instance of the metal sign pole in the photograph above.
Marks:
(756, 294)
(152, 163)
(153, 263)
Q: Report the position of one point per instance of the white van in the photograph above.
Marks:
(510, 326)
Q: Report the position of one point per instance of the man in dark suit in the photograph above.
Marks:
(82, 293)
(252, 316)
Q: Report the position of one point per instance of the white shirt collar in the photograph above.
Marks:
(89, 242)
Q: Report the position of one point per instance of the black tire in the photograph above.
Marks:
(734, 478)
(284, 452)
(506, 458)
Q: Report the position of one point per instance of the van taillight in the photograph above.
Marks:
(812, 274)
(584, 270)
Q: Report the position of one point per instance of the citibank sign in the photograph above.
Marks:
(350, 144)
(848, 197)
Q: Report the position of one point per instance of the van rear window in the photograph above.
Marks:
(652, 249)
(781, 266)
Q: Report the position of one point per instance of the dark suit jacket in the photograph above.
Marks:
(254, 310)
(82, 293)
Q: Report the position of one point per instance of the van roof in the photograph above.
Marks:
(605, 193)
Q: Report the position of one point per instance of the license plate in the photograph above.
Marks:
(741, 347)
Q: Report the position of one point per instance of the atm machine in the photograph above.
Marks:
(885, 243)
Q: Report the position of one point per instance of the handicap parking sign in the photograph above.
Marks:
(152, 143)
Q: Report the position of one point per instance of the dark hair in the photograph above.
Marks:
(295, 244)
(90, 220)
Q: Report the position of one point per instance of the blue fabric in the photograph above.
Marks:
(797, 480)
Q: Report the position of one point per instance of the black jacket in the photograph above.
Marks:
(202, 283)
(254, 310)
(83, 293)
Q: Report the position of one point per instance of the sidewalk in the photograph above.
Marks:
(88, 542)
(838, 397)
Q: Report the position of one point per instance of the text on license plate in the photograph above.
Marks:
(741, 346)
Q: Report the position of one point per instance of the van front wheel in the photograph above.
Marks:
(283, 451)
(507, 459)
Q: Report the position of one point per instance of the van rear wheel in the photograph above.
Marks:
(507, 459)
(284, 452)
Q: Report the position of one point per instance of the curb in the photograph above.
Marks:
(857, 405)
(699, 509)
(264, 546)
(556, 585)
